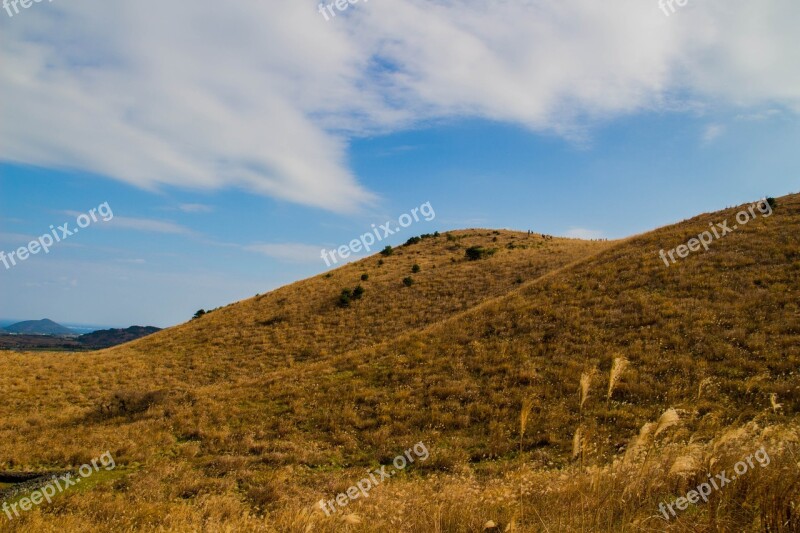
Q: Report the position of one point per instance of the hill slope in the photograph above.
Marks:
(302, 322)
(246, 417)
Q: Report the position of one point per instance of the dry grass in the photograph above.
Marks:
(243, 419)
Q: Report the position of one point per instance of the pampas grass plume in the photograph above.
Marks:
(617, 368)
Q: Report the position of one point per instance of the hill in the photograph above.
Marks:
(39, 327)
(105, 338)
(96, 340)
(248, 416)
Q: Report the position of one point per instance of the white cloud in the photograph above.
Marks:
(759, 116)
(292, 252)
(16, 238)
(137, 224)
(266, 95)
(712, 132)
(195, 208)
(146, 224)
(583, 233)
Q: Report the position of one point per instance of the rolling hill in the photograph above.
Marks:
(95, 340)
(246, 417)
(105, 338)
(39, 327)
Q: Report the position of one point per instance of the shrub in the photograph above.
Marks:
(345, 297)
(277, 319)
(772, 203)
(412, 240)
(348, 295)
(364, 277)
(415, 268)
(474, 253)
(358, 292)
(199, 313)
(129, 402)
(408, 281)
(387, 251)
(380, 262)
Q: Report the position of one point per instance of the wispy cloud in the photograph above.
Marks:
(759, 116)
(583, 233)
(147, 224)
(712, 132)
(138, 224)
(15, 238)
(292, 252)
(195, 208)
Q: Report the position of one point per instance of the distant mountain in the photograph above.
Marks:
(91, 341)
(39, 327)
(111, 337)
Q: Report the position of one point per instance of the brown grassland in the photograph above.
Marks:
(243, 419)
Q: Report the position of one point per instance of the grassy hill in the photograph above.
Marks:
(248, 416)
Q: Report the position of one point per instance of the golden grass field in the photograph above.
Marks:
(242, 420)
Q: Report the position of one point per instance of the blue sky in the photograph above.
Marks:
(228, 173)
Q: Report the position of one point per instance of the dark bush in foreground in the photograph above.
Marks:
(127, 403)
(408, 281)
(345, 297)
(349, 295)
(474, 253)
(358, 292)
